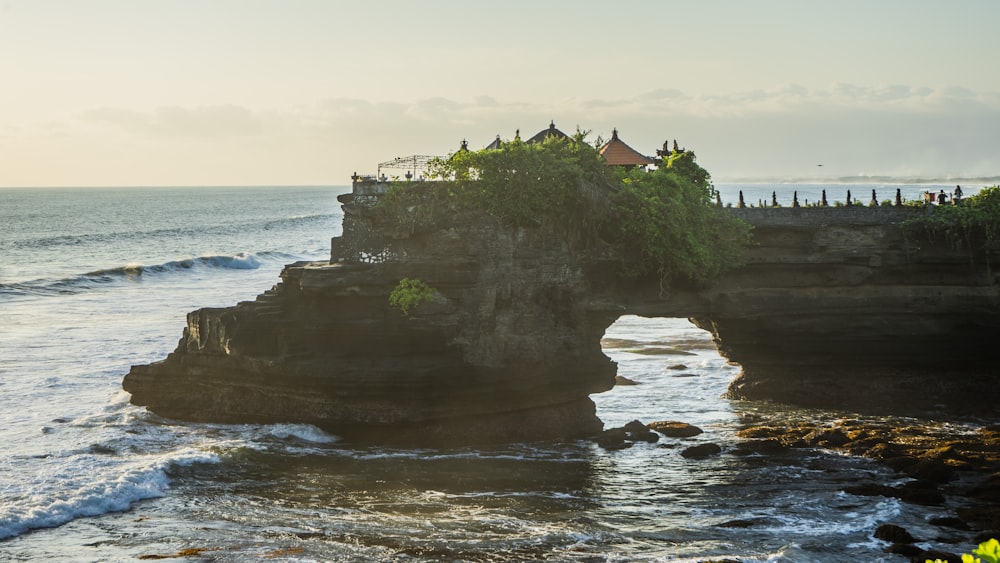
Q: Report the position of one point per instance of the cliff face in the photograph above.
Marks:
(508, 350)
(834, 307)
(843, 307)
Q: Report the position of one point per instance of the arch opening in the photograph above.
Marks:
(668, 369)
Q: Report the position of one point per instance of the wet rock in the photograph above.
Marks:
(622, 380)
(827, 438)
(739, 523)
(935, 471)
(950, 522)
(674, 429)
(686, 375)
(635, 426)
(988, 491)
(613, 439)
(763, 431)
(920, 492)
(979, 516)
(639, 432)
(751, 447)
(893, 534)
(702, 451)
(870, 490)
(906, 550)
(882, 451)
(647, 436)
(624, 437)
(677, 367)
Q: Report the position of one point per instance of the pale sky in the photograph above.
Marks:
(292, 92)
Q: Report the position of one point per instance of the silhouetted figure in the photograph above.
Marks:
(874, 199)
(957, 196)
(795, 199)
(899, 197)
(774, 199)
(823, 201)
(942, 198)
(848, 197)
(741, 204)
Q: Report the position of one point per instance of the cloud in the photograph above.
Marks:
(784, 130)
(198, 122)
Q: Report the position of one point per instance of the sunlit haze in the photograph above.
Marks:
(253, 92)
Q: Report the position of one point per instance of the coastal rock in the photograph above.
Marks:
(639, 432)
(613, 439)
(624, 437)
(508, 348)
(675, 429)
(702, 451)
(622, 380)
(894, 534)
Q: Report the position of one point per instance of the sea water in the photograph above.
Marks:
(95, 280)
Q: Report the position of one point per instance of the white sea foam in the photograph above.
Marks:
(69, 492)
(304, 432)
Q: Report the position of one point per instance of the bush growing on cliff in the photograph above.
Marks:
(409, 293)
(665, 220)
(674, 230)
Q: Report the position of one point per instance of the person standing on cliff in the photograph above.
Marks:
(957, 196)
(942, 197)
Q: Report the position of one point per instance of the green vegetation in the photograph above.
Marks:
(974, 224)
(665, 221)
(987, 552)
(409, 293)
(673, 228)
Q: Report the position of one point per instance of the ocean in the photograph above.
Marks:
(94, 280)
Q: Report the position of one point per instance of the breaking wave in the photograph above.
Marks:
(82, 495)
(134, 271)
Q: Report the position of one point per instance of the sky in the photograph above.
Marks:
(307, 92)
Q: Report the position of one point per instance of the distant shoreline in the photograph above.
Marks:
(984, 180)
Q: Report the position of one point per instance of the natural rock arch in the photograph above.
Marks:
(834, 307)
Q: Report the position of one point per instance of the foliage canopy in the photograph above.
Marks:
(973, 223)
(664, 220)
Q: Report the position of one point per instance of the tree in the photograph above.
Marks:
(670, 226)
(664, 221)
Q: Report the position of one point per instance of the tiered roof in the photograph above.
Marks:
(546, 133)
(616, 153)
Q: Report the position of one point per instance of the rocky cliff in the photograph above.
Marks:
(508, 350)
(834, 307)
(844, 307)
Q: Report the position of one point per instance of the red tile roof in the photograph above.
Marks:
(617, 153)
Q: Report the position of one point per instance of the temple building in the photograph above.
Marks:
(546, 133)
(495, 144)
(616, 153)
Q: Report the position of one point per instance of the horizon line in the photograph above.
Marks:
(865, 179)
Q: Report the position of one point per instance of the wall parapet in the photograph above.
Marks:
(816, 216)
